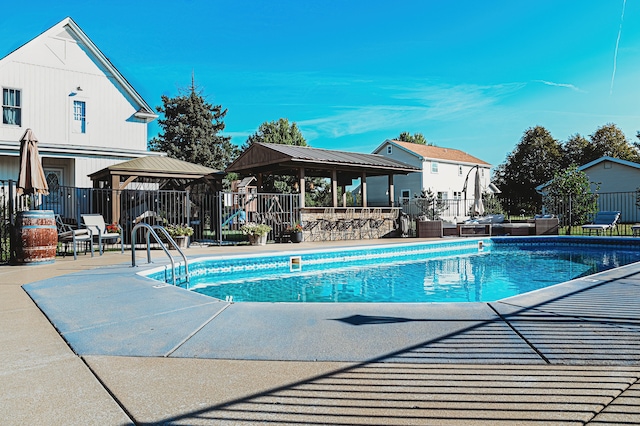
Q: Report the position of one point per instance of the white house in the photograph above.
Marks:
(446, 172)
(84, 113)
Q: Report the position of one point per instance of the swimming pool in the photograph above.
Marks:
(469, 270)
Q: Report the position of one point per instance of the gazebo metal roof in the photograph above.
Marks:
(266, 157)
(157, 168)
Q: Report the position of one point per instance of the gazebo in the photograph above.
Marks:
(340, 166)
(163, 172)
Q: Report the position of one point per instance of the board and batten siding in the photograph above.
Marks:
(48, 73)
(53, 70)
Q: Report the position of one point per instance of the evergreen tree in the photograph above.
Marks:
(190, 131)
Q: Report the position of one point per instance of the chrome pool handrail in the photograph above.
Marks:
(151, 231)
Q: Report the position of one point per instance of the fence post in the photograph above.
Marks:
(12, 219)
(217, 218)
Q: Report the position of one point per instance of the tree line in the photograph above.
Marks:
(538, 157)
(191, 130)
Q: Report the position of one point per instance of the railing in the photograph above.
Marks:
(217, 218)
(151, 232)
(570, 216)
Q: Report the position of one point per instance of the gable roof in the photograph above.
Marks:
(145, 112)
(431, 152)
(612, 159)
(155, 166)
(584, 167)
(261, 157)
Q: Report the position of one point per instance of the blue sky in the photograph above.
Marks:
(471, 75)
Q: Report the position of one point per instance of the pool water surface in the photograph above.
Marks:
(419, 273)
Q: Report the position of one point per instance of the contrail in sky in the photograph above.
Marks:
(615, 54)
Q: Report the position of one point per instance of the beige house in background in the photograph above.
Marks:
(83, 111)
(617, 182)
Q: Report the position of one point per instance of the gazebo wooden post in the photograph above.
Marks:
(259, 182)
(303, 188)
(392, 196)
(115, 198)
(363, 189)
(334, 187)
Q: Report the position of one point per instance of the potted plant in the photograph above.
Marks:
(257, 232)
(180, 234)
(113, 228)
(295, 233)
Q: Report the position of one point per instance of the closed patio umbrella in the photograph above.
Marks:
(31, 179)
(478, 207)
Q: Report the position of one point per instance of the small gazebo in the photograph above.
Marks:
(165, 172)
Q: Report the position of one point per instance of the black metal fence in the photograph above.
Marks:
(217, 218)
(569, 214)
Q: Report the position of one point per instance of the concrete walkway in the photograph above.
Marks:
(126, 351)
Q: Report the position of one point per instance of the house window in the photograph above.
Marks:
(482, 172)
(443, 195)
(11, 107)
(79, 117)
(405, 195)
(434, 167)
(459, 170)
(389, 149)
(457, 195)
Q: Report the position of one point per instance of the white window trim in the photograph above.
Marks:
(11, 106)
(74, 126)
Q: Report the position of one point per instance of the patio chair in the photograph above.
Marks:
(602, 222)
(95, 222)
(67, 235)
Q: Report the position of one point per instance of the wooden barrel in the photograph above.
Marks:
(36, 237)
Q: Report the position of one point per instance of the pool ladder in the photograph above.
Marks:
(151, 231)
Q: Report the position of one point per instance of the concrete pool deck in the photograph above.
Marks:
(123, 350)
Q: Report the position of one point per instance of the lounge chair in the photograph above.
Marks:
(602, 222)
(67, 235)
(95, 222)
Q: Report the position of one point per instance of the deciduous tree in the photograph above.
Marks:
(610, 141)
(575, 149)
(569, 196)
(285, 133)
(534, 161)
(277, 132)
(415, 138)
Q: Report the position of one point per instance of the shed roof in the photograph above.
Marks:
(263, 157)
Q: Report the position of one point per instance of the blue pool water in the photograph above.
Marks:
(428, 272)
